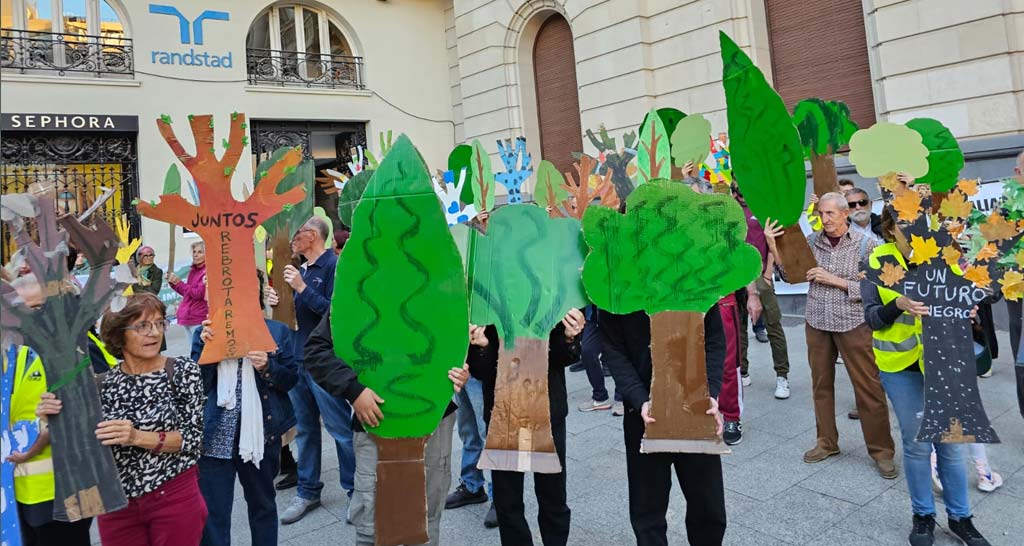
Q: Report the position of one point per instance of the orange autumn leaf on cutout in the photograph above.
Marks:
(955, 205)
(908, 205)
(923, 249)
(950, 255)
(889, 182)
(968, 186)
(986, 252)
(891, 274)
(1012, 285)
(978, 275)
(996, 228)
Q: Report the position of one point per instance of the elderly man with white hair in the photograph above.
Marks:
(835, 326)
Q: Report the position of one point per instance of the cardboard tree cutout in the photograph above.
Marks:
(615, 160)
(824, 128)
(350, 196)
(86, 481)
(282, 226)
(524, 277)
(953, 411)
(550, 192)
(172, 186)
(767, 158)
(461, 157)
(483, 178)
(691, 141)
(227, 227)
(517, 168)
(673, 255)
(15, 437)
(399, 319)
(653, 158)
(580, 190)
(945, 160)
(448, 192)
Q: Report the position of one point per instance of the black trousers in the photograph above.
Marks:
(58, 533)
(552, 511)
(650, 482)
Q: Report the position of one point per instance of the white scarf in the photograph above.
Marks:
(250, 437)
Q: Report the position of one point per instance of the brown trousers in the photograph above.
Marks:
(855, 346)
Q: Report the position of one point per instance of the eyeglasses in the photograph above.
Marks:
(146, 327)
(858, 204)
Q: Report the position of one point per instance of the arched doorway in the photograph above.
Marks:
(558, 103)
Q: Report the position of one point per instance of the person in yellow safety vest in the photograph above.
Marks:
(33, 471)
(895, 321)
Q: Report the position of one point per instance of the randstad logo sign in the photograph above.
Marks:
(191, 33)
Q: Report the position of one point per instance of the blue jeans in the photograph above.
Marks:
(906, 392)
(591, 357)
(217, 483)
(311, 402)
(469, 420)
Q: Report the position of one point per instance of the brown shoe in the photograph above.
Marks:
(819, 454)
(854, 414)
(887, 469)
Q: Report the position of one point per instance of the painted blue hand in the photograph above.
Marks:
(517, 167)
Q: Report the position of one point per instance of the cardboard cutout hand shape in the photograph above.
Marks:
(953, 411)
(525, 277)
(766, 154)
(399, 319)
(673, 255)
(227, 227)
(86, 481)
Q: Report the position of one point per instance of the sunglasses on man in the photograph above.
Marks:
(859, 204)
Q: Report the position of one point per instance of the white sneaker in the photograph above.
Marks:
(987, 374)
(594, 405)
(781, 388)
(745, 379)
(990, 482)
(936, 483)
(618, 409)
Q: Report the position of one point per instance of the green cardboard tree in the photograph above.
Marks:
(550, 192)
(673, 255)
(283, 226)
(461, 157)
(767, 157)
(86, 481)
(945, 160)
(351, 194)
(653, 158)
(824, 128)
(525, 277)
(483, 178)
(691, 141)
(399, 319)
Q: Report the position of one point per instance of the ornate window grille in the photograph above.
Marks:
(267, 66)
(26, 51)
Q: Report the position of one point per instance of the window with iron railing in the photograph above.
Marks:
(85, 36)
(299, 45)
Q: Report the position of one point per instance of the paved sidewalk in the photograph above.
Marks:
(772, 496)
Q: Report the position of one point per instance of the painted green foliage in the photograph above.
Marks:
(548, 177)
(172, 181)
(398, 315)
(652, 156)
(673, 250)
(351, 194)
(526, 272)
(764, 146)
(888, 148)
(824, 126)
(483, 178)
(691, 141)
(291, 219)
(945, 160)
(461, 157)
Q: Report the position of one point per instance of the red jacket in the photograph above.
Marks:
(193, 308)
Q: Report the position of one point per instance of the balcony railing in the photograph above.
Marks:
(295, 68)
(30, 51)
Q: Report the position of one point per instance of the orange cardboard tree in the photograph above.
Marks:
(227, 226)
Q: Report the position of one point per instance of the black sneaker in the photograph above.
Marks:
(463, 497)
(923, 533)
(577, 367)
(491, 519)
(965, 531)
(287, 482)
(732, 433)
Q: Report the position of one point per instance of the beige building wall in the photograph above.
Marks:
(959, 62)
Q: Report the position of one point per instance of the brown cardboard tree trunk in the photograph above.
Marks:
(519, 434)
(823, 171)
(400, 509)
(285, 309)
(795, 254)
(679, 388)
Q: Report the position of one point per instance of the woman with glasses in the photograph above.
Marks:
(150, 277)
(153, 411)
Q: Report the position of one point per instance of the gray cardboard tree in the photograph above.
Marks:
(86, 481)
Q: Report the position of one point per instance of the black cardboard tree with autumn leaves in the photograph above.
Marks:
(953, 411)
(86, 480)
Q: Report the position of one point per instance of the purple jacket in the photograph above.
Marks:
(193, 308)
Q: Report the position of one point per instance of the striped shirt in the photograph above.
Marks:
(829, 308)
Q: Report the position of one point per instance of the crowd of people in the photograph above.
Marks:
(182, 433)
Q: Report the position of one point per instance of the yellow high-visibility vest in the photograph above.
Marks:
(109, 358)
(899, 346)
(33, 479)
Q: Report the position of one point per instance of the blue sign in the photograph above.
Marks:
(190, 33)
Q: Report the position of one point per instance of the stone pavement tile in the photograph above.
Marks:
(787, 421)
(1000, 518)
(774, 471)
(797, 515)
(316, 519)
(755, 442)
(740, 535)
(1013, 484)
(845, 538)
(594, 442)
(852, 479)
(885, 520)
(334, 534)
(612, 529)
